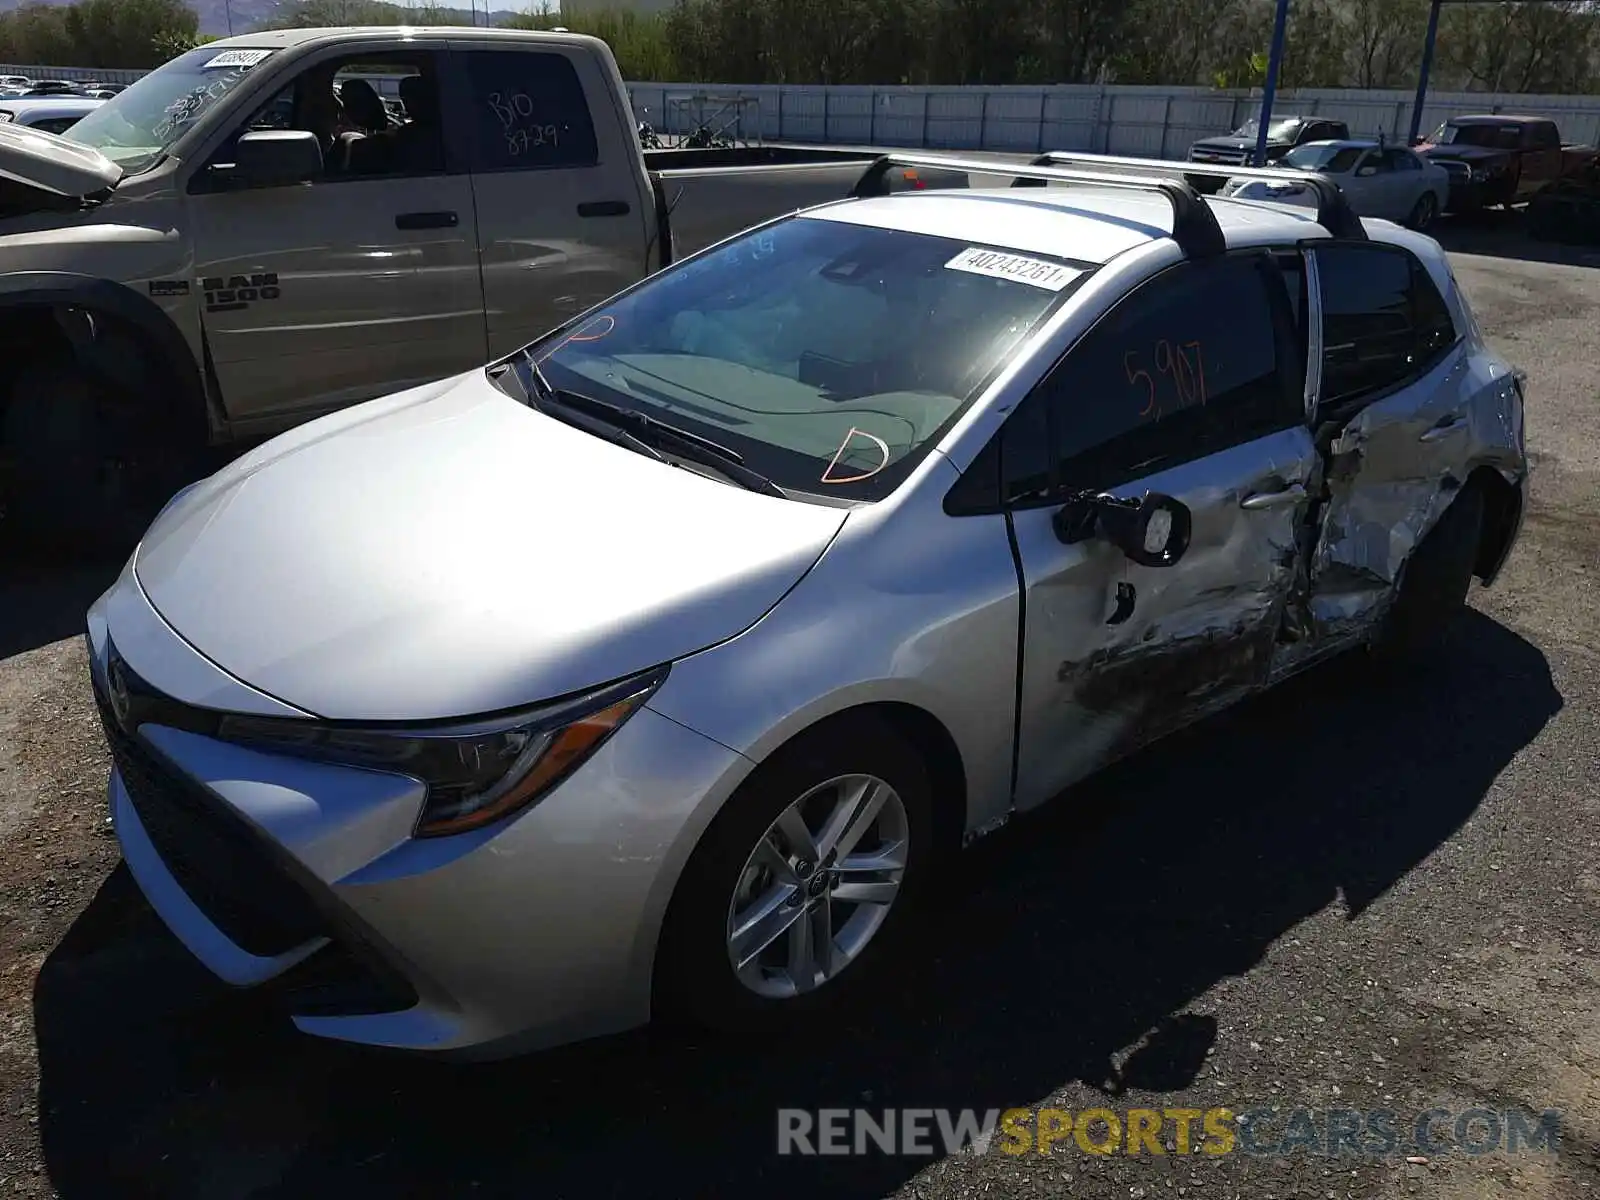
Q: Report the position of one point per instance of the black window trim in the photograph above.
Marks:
(1348, 406)
(981, 489)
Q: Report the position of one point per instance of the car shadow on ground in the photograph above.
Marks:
(43, 602)
(1497, 233)
(1059, 943)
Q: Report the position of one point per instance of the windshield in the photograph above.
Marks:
(1496, 137)
(136, 126)
(831, 356)
(1283, 130)
(1331, 160)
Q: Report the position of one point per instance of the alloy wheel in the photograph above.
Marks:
(818, 886)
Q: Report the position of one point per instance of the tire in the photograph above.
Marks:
(91, 468)
(696, 979)
(1423, 212)
(1434, 582)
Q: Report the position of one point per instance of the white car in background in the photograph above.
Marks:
(51, 114)
(1378, 180)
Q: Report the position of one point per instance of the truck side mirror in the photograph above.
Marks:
(276, 158)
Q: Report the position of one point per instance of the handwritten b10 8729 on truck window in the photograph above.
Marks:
(516, 112)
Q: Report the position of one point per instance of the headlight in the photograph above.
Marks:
(476, 772)
(6, 115)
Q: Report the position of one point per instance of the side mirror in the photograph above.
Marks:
(1153, 531)
(1365, 171)
(276, 158)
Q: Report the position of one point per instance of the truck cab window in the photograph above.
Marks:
(529, 112)
(362, 136)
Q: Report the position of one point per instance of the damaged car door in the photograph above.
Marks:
(1192, 387)
(1395, 419)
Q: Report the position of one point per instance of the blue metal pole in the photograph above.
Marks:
(1427, 66)
(1270, 91)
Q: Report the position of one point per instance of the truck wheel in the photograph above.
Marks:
(91, 469)
(1423, 212)
(1434, 583)
(805, 885)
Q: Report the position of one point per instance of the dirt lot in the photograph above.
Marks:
(1340, 897)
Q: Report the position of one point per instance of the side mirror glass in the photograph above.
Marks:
(1152, 531)
(275, 158)
(1365, 171)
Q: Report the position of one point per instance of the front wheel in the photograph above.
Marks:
(804, 886)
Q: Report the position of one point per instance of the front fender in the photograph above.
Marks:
(908, 605)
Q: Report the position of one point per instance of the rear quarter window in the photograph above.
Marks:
(529, 112)
(1384, 322)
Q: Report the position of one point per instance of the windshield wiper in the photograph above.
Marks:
(654, 434)
(548, 402)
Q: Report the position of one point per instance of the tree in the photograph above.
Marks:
(638, 40)
(1522, 47)
(99, 33)
(1384, 41)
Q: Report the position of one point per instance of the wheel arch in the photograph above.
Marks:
(56, 292)
(922, 730)
(1502, 518)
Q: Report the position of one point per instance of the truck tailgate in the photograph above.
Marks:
(712, 202)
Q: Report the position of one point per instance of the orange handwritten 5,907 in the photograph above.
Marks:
(1183, 371)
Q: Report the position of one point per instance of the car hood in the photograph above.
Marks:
(447, 552)
(1463, 153)
(43, 160)
(1230, 143)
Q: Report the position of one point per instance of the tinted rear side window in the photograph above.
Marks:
(529, 112)
(1383, 321)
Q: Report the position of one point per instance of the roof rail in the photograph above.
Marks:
(1333, 210)
(1194, 226)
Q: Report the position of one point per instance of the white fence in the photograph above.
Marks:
(1112, 120)
(1150, 121)
(107, 75)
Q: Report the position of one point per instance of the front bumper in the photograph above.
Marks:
(303, 876)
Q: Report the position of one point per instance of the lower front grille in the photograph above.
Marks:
(218, 860)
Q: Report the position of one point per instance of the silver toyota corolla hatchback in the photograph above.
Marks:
(653, 669)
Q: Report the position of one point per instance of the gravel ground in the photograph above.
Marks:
(1341, 897)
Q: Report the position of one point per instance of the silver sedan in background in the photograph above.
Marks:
(1378, 180)
(655, 668)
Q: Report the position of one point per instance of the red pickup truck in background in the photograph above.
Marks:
(1502, 160)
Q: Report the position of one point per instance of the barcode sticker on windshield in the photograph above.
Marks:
(1038, 272)
(236, 58)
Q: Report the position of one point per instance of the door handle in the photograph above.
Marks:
(604, 208)
(1292, 494)
(1444, 427)
(427, 220)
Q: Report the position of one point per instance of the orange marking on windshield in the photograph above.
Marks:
(883, 447)
(590, 331)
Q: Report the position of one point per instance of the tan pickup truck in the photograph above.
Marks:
(249, 237)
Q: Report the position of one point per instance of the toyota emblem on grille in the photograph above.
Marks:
(117, 682)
